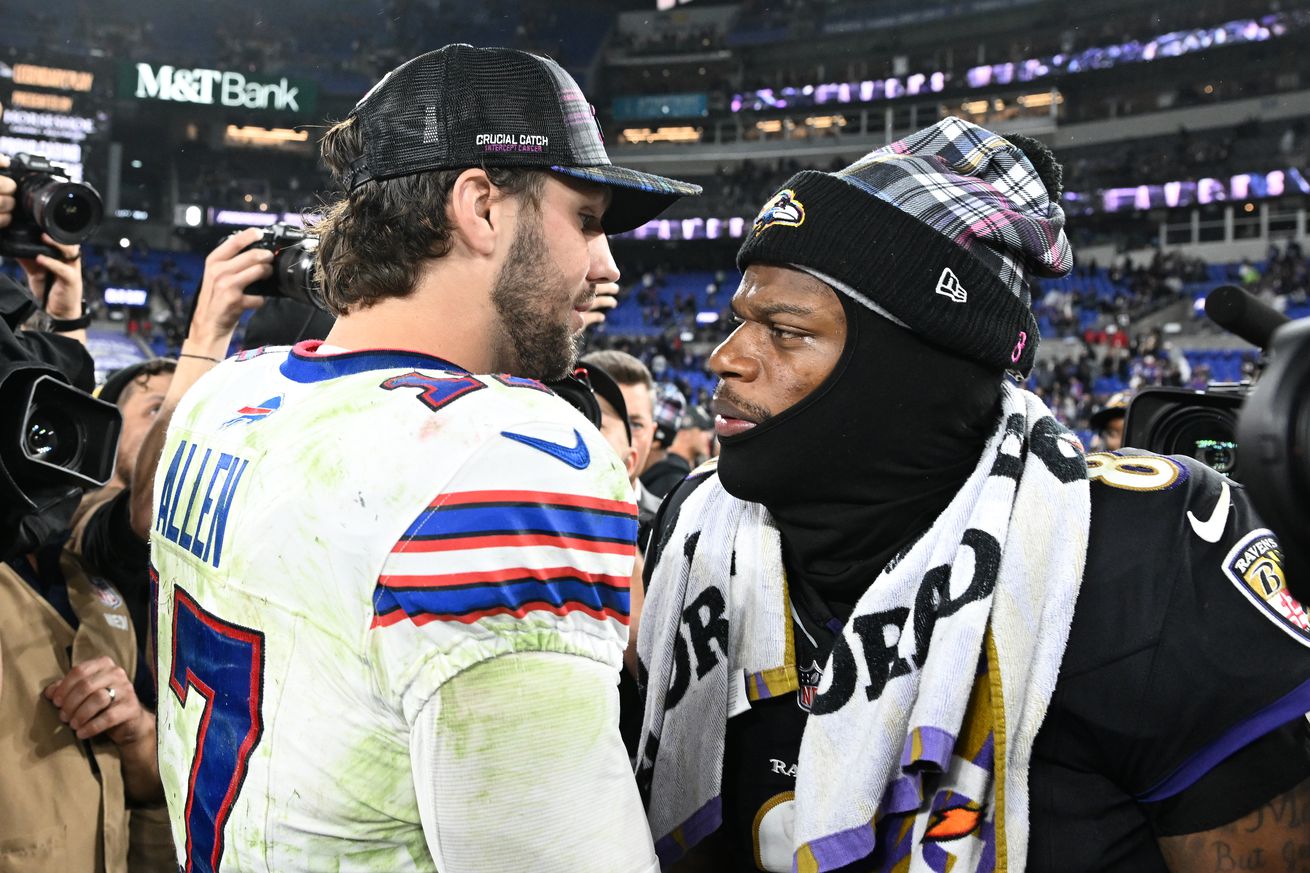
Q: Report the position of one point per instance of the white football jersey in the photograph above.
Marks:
(335, 537)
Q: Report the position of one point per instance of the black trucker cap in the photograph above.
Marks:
(462, 106)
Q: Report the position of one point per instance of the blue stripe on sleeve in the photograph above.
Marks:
(508, 595)
(567, 521)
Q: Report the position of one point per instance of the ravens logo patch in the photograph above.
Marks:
(1255, 566)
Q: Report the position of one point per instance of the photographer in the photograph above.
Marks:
(88, 746)
(98, 696)
(56, 284)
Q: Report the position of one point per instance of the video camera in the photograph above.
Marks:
(1259, 435)
(293, 264)
(48, 202)
(55, 441)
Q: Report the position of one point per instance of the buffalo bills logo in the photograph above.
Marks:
(784, 209)
(250, 414)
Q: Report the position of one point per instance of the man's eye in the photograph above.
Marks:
(783, 333)
(590, 222)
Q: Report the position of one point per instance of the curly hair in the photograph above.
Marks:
(373, 240)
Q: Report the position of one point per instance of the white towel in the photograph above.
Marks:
(922, 728)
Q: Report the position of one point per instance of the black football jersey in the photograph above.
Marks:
(1181, 697)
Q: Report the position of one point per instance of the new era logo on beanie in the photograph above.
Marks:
(952, 214)
(461, 106)
(948, 285)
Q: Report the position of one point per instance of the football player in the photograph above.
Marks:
(905, 623)
(392, 566)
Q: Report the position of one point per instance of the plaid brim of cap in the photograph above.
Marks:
(638, 197)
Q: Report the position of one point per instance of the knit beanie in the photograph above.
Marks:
(940, 232)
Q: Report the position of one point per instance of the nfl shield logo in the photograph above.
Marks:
(809, 682)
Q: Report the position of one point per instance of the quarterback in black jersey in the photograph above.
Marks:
(1178, 707)
(854, 411)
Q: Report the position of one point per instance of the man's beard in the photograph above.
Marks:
(541, 346)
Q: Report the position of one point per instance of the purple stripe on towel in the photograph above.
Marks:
(935, 747)
(903, 795)
(700, 825)
(844, 847)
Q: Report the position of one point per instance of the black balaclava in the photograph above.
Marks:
(941, 232)
(870, 458)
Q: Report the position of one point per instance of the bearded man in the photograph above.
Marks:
(393, 567)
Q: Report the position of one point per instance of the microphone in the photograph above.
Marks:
(1241, 314)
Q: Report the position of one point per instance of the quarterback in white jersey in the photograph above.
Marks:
(330, 555)
(393, 591)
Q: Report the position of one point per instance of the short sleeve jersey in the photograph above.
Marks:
(336, 537)
(1179, 702)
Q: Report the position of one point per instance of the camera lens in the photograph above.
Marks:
(52, 438)
(1208, 435)
(68, 211)
(72, 213)
(294, 271)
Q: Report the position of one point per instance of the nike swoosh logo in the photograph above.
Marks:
(1212, 529)
(576, 457)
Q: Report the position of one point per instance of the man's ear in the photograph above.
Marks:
(630, 462)
(470, 210)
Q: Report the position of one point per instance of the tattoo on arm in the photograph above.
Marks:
(1275, 837)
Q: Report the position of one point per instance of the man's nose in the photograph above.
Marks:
(603, 268)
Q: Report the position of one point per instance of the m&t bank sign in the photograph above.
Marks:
(214, 88)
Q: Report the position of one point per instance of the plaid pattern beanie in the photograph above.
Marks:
(939, 231)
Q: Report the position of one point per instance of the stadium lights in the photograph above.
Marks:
(263, 136)
(193, 216)
(662, 134)
(1165, 45)
(826, 121)
(1040, 99)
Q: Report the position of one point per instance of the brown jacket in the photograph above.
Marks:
(62, 803)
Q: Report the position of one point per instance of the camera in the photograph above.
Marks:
(47, 202)
(55, 441)
(293, 264)
(1198, 424)
(1259, 435)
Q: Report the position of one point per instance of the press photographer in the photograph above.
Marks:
(88, 746)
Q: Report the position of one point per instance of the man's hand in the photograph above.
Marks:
(87, 706)
(8, 188)
(96, 697)
(606, 299)
(228, 272)
(65, 299)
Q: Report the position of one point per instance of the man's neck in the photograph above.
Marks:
(446, 316)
